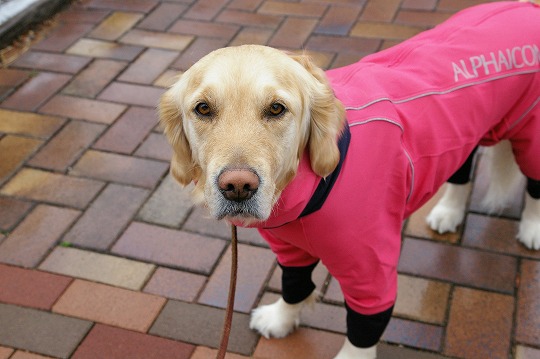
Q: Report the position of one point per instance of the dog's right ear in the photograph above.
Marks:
(170, 117)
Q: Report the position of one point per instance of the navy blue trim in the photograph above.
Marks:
(325, 185)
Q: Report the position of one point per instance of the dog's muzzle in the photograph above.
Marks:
(238, 188)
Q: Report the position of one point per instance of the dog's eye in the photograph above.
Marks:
(275, 110)
(203, 109)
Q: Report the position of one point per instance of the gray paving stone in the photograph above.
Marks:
(169, 205)
(40, 332)
(202, 325)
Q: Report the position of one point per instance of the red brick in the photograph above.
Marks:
(148, 66)
(205, 10)
(137, 95)
(30, 124)
(200, 47)
(14, 151)
(419, 4)
(12, 211)
(165, 283)
(104, 341)
(480, 324)
(338, 20)
(62, 150)
(36, 235)
(528, 308)
(31, 288)
(155, 146)
(12, 77)
(293, 33)
(114, 26)
(104, 49)
(415, 334)
(249, 19)
(162, 40)
(380, 10)
(109, 305)
(252, 35)
(247, 5)
(93, 79)
(119, 168)
(127, 5)
(341, 44)
(421, 18)
(83, 109)
(36, 91)
(45, 61)
(254, 266)
(63, 36)
(290, 8)
(169, 247)
(205, 29)
(162, 17)
(77, 15)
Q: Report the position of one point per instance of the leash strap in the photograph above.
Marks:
(230, 301)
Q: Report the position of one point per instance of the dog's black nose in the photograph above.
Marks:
(238, 184)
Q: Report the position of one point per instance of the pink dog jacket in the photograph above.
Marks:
(415, 112)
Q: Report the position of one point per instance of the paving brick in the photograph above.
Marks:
(202, 325)
(169, 247)
(252, 35)
(205, 10)
(421, 18)
(45, 61)
(36, 91)
(293, 33)
(528, 308)
(460, 265)
(480, 324)
(148, 66)
(133, 5)
(26, 123)
(5, 353)
(109, 305)
(162, 17)
(457, 5)
(380, 10)
(302, 344)
(14, 151)
(338, 20)
(12, 211)
(108, 215)
(247, 5)
(290, 8)
(159, 40)
(202, 352)
(169, 205)
(62, 150)
(93, 79)
(419, 4)
(12, 77)
(97, 267)
(422, 299)
(118, 168)
(104, 49)
(205, 29)
(77, 15)
(418, 227)
(495, 234)
(83, 109)
(63, 36)
(342, 44)
(385, 351)
(108, 342)
(175, 284)
(243, 18)
(130, 94)
(115, 25)
(36, 235)
(128, 131)
(526, 352)
(414, 334)
(41, 332)
(50, 187)
(26, 355)
(200, 222)
(254, 266)
(155, 146)
(384, 31)
(30, 288)
(199, 48)
(333, 292)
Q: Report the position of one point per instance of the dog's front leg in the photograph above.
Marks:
(529, 227)
(282, 317)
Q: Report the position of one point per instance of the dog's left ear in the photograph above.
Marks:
(327, 120)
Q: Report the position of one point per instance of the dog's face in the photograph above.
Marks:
(239, 121)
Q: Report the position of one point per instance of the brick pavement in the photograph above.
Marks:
(103, 256)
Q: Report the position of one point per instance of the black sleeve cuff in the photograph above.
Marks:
(533, 188)
(364, 331)
(296, 283)
(463, 174)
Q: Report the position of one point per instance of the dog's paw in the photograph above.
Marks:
(529, 234)
(444, 218)
(275, 320)
(349, 351)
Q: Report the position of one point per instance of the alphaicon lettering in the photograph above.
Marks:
(496, 62)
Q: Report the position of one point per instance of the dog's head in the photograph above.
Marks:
(239, 121)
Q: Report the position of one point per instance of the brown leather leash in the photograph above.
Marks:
(230, 301)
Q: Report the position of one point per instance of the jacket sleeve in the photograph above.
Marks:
(287, 253)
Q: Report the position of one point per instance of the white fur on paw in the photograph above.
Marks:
(349, 351)
(529, 233)
(275, 320)
(443, 218)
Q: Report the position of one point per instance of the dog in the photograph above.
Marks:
(327, 165)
